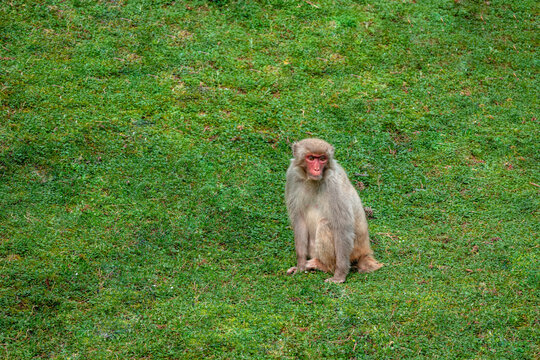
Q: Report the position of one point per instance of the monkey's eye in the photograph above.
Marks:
(322, 158)
(311, 157)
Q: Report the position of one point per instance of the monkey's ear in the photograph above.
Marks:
(331, 152)
(294, 148)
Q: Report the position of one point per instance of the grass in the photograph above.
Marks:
(143, 147)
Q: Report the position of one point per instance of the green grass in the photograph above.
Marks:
(143, 148)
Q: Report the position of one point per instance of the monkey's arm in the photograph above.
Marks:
(301, 245)
(343, 244)
(342, 211)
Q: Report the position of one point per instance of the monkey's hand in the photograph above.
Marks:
(292, 270)
(337, 280)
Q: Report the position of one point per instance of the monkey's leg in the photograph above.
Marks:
(315, 264)
(333, 251)
(368, 264)
(362, 253)
(324, 257)
(343, 245)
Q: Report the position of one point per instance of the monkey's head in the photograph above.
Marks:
(314, 156)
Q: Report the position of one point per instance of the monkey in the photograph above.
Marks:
(326, 214)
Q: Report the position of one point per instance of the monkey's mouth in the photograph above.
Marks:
(317, 176)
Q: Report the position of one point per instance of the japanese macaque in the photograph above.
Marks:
(329, 222)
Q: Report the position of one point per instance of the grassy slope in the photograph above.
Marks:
(143, 147)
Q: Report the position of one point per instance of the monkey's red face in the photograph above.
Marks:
(315, 165)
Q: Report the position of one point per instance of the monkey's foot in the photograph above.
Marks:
(368, 264)
(337, 280)
(315, 264)
(292, 270)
